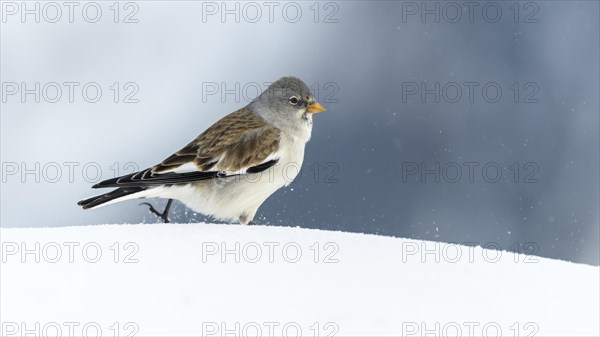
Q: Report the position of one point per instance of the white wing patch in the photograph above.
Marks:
(185, 168)
(192, 167)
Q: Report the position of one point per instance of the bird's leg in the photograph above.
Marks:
(245, 220)
(162, 215)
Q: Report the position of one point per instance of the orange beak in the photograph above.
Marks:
(315, 107)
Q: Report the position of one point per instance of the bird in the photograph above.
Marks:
(231, 168)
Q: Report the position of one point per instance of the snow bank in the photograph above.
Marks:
(217, 280)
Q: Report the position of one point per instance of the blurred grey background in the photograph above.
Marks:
(532, 149)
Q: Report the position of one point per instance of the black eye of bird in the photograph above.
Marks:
(294, 100)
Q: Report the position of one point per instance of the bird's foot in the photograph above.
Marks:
(164, 215)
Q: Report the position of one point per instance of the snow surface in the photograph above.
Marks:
(180, 282)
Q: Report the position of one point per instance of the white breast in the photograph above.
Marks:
(240, 196)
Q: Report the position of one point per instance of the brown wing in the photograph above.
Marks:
(238, 141)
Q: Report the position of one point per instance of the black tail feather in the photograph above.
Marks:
(106, 197)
